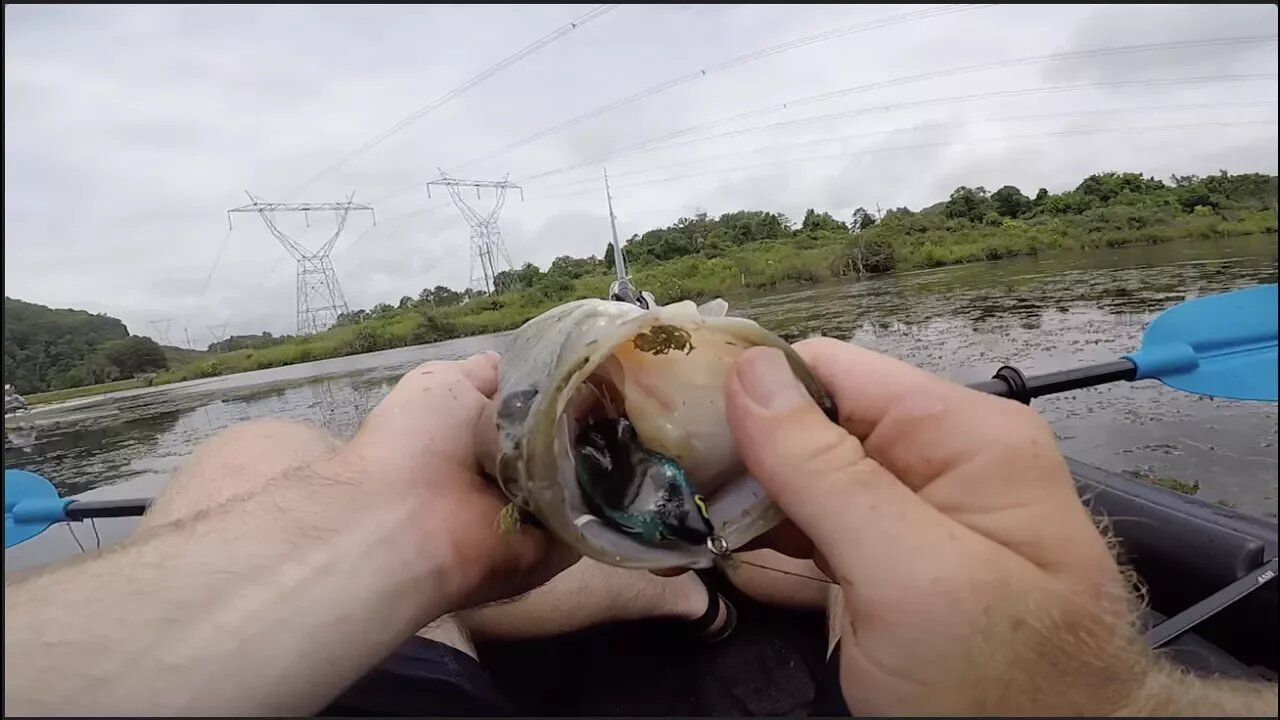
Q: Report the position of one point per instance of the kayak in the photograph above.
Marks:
(1185, 549)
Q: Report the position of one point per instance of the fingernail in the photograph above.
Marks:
(767, 379)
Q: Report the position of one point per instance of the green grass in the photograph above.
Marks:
(799, 259)
(1166, 481)
(70, 393)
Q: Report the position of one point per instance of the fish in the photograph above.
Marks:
(654, 378)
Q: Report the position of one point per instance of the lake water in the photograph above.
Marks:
(1040, 314)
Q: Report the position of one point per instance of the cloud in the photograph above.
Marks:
(129, 131)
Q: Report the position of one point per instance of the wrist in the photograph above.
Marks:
(1170, 690)
(336, 499)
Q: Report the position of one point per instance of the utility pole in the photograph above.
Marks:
(487, 248)
(320, 299)
(188, 334)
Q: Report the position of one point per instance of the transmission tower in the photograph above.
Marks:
(320, 299)
(217, 332)
(162, 329)
(487, 249)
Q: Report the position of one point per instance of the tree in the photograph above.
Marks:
(134, 355)
(405, 301)
(41, 342)
(862, 220)
(1010, 202)
(814, 221)
(968, 203)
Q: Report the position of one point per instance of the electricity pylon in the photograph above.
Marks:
(488, 251)
(320, 299)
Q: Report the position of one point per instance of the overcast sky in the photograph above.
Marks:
(129, 131)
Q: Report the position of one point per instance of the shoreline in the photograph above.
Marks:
(86, 396)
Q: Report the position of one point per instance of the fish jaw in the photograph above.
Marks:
(672, 391)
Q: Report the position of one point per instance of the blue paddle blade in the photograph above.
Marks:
(31, 505)
(1220, 345)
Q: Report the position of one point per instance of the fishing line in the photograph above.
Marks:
(784, 572)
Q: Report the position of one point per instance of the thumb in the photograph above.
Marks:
(818, 473)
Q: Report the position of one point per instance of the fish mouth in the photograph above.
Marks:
(664, 371)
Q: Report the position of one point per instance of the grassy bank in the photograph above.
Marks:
(85, 391)
(758, 266)
(701, 257)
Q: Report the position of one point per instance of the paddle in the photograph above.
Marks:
(31, 505)
(1219, 345)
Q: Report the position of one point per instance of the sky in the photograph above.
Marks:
(131, 130)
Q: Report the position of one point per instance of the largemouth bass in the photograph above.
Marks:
(612, 431)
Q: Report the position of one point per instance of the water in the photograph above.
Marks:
(1040, 314)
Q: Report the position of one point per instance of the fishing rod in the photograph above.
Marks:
(1222, 345)
(621, 289)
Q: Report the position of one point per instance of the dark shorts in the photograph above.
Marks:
(423, 678)
(428, 678)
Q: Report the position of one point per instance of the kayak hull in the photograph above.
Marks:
(1185, 549)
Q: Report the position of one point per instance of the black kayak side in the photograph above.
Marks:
(1185, 549)
(772, 664)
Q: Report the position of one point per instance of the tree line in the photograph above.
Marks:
(48, 349)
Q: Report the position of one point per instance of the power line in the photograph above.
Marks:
(644, 147)
(946, 143)
(489, 72)
(933, 75)
(725, 65)
(937, 126)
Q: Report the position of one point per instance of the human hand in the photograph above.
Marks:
(419, 445)
(974, 580)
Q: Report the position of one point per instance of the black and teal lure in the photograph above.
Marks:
(639, 491)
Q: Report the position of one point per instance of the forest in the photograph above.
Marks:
(48, 349)
(749, 250)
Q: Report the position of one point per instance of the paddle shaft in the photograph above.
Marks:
(87, 509)
(1008, 382)
(1011, 383)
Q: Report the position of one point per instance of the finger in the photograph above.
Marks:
(892, 405)
(785, 538)
(865, 383)
(1015, 488)
(818, 473)
(482, 372)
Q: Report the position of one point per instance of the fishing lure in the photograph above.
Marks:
(639, 491)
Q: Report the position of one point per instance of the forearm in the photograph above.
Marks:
(270, 604)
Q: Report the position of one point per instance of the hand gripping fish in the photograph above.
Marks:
(612, 431)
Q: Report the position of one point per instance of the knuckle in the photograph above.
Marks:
(830, 451)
